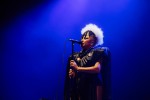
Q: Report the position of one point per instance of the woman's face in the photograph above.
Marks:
(87, 41)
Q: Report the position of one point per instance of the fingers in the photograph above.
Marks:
(71, 73)
(72, 62)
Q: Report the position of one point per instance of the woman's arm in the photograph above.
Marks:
(93, 69)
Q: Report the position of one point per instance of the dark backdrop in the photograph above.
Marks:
(34, 45)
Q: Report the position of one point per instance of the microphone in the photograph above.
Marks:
(75, 41)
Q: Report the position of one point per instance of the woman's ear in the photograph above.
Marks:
(92, 43)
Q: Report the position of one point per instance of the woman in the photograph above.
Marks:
(88, 72)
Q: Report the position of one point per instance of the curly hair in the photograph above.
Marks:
(96, 30)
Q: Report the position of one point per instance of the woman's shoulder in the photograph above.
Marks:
(101, 50)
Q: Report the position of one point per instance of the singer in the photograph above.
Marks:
(88, 71)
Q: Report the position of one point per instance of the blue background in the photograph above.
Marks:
(35, 46)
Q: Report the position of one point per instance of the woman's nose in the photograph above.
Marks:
(82, 40)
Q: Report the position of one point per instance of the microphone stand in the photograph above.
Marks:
(71, 95)
(72, 81)
(72, 50)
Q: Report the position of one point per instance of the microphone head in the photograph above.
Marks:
(75, 41)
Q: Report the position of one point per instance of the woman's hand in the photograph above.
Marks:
(71, 73)
(73, 64)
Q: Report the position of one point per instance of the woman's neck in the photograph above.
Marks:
(86, 49)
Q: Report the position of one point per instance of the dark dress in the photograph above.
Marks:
(84, 84)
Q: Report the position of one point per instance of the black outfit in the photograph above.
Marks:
(84, 84)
